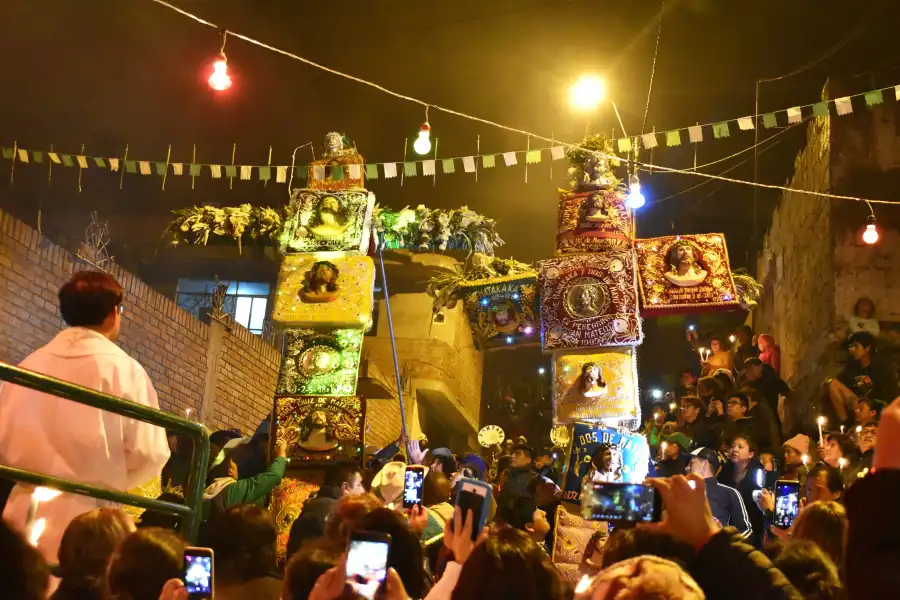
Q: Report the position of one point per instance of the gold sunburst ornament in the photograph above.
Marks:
(491, 435)
(560, 436)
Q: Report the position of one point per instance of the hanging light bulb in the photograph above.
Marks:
(220, 80)
(870, 235)
(422, 145)
(635, 198)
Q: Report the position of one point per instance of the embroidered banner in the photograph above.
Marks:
(320, 220)
(325, 289)
(320, 362)
(595, 386)
(589, 301)
(320, 429)
(628, 460)
(502, 312)
(685, 273)
(592, 221)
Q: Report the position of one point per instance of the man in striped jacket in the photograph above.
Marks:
(726, 503)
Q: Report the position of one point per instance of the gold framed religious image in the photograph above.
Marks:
(685, 273)
(592, 221)
(320, 429)
(595, 386)
(502, 312)
(589, 301)
(324, 220)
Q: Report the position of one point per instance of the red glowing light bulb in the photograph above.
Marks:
(220, 80)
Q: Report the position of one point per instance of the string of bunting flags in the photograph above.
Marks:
(428, 167)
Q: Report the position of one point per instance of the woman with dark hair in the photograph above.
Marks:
(807, 568)
(84, 552)
(306, 566)
(509, 565)
(143, 563)
(721, 357)
(839, 452)
(744, 473)
(243, 543)
(406, 555)
(863, 317)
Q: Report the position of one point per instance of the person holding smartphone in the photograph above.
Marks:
(725, 502)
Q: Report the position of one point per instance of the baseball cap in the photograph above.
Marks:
(709, 455)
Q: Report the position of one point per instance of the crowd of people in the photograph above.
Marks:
(719, 453)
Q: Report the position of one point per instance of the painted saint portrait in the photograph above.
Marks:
(320, 283)
(316, 434)
(331, 221)
(684, 267)
(505, 317)
(592, 382)
(594, 209)
(586, 297)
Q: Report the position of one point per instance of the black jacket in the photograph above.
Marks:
(873, 546)
(728, 507)
(517, 480)
(727, 568)
(745, 488)
(701, 432)
(310, 524)
(676, 466)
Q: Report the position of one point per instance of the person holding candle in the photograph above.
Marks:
(743, 472)
(50, 435)
(839, 452)
(717, 357)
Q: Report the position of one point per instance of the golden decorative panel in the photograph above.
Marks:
(595, 385)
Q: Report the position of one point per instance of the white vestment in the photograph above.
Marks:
(53, 436)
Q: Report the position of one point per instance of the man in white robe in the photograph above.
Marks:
(54, 436)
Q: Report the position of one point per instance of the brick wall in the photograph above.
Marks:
(245, 382)
(171, 345)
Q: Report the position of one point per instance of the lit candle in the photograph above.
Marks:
(842, 429)
(731, 338)
(672, 406)
(662, 449)
(859, 429)
(842, 462)
(759, 478)
(805, 460)
(583, 585)
(821, 421)
(187, 413)
(701, 351)
(35, 527)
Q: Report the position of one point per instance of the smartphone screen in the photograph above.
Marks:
(367, 557)
(473, 496)
(412, 486)
(198, 572)
(787, 502)
(626, 502)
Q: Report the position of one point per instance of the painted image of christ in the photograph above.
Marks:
(331, 221)
(316, 434)
(684, 269)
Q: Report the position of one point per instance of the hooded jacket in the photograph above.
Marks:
(61, 438)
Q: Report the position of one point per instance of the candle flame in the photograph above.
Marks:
(820, 421)
(37, 530)
(804, 458)
(858, 428)
(583, 584)
(44, 494)
(842, 462)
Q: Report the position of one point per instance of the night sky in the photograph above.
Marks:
(104, 73)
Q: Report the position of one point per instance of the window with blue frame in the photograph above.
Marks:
(245, 301)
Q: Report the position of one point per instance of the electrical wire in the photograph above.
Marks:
(507, 127)
(662, 10)
(728, 170)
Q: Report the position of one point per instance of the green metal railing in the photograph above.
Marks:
(190, 511)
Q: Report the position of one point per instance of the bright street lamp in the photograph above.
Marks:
(587, 92)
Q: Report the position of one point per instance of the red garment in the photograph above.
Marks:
(772, 355)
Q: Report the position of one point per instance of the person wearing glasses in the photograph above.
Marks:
(53, 436)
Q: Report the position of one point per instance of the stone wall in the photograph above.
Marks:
(173, 347)
(796, 263)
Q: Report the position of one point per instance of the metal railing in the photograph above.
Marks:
(189, 512)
